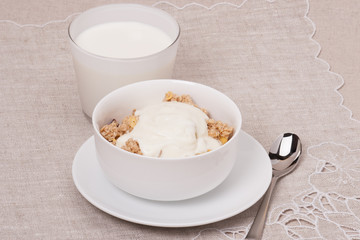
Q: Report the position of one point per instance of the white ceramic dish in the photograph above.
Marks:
(244, 187)
(166, 179)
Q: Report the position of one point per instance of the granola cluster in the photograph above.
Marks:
(112, 131)
(133, 146)
(219, 130)
(171, 97)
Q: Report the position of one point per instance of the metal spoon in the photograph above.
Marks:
(284, 155)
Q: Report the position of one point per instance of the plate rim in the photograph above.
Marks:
(123, 216)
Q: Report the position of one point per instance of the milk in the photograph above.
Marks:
(123, 40)
(115, 54)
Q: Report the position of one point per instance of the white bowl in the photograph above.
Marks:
(160, 178)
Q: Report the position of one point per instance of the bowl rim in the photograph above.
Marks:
(237, 130)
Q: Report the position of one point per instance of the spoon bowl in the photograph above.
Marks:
(284, 154)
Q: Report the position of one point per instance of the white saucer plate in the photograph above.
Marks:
(245, 185)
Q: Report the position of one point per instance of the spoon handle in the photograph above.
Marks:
(257, 228)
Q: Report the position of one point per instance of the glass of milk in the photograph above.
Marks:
(115, 45)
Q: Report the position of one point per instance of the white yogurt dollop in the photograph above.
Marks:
(171, 130)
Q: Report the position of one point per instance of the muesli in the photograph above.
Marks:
(173, 127)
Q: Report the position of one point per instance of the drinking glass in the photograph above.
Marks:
(98, 75)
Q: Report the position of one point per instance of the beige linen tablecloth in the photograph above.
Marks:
(260, 53)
